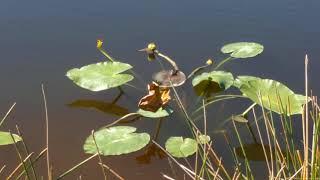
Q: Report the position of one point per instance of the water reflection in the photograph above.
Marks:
(105, 107)
(254, 151)
(152, 150)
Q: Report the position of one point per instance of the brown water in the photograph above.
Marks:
(40, 41)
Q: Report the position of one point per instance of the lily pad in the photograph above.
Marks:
(161, 112)
(274, 96)
(240, 80)
(100, 76)
(116, 141)
(214, 82)
(180, 147)
(6, 138)
(242, 49)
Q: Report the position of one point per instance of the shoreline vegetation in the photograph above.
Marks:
(284, 156)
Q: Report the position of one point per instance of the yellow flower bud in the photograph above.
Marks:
(209, 62)
(152, 46)
(99, 43)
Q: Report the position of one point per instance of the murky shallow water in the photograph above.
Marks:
(40, 41)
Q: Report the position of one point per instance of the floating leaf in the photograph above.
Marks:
(242, 49)
(180, 147)
(6, 138)
(116, 141)
(240, 80)
(214, 81)
(158, 114)
(100, 76)
(204, 139)
(274, 96)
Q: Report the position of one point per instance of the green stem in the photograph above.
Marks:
(175, 66)
(222, 62)
(106, 54)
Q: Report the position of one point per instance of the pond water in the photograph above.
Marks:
(40, 41)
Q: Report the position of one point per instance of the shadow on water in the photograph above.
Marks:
(105, 107)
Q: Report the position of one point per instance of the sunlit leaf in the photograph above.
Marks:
(157, 97)
(181, 147)
(240, 80)
(242, 49)
(100, 76)
(158, 114)
(273, 95)
(214, 81)
(6, 138)
(116, 141)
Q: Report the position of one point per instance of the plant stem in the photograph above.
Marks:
(47, 130)
(7, 114)
(222, 62)
(175, 66)
(77, 166)
(106, 54)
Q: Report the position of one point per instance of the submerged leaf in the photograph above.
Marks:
(6, 138)
(214, 81)
(242, 49)
(100, 76)
(116, 141)
(273, 95)
(158, 114)
(180, 147)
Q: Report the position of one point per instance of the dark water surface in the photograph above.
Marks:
(41, 40)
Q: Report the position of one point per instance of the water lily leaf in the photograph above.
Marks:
(274, 96)
(100, 76)
(180, 147)
(116, 141)
(204, 139)
(240, 80)
(161, 112)
(6, 138)
(242, 49)
(213, 82)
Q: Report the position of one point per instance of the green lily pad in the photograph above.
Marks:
(242, 49)
(180, 147)
(274, 96)
(240, 80)
(158, 114)
(212, 82)
(6, 138)
(116, 141)
(100, 76)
